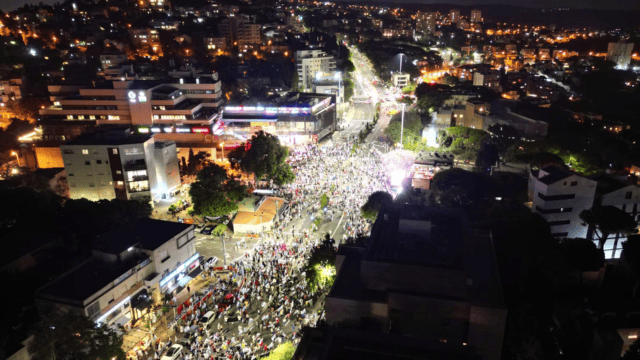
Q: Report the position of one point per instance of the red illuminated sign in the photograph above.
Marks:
(200, 130)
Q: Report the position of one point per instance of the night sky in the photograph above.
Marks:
(592, 4)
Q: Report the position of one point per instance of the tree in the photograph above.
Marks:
(208, 202)
(264, 157)
(71, 335)
(458, 188)
(320, 269)
(324, 201)
(606, 220)
(633, 353)
(283, 351)
(375, 202)
(215, 192)
(219, 230)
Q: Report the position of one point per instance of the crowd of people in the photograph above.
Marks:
(347, 174)
(262, 303)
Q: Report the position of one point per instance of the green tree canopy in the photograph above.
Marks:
(458, 188)
(70, 335)
(374, 203)
(215, 192)
(607, 220)
(283, 351)
(264, 157)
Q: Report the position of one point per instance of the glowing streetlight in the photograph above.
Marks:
(13, 153)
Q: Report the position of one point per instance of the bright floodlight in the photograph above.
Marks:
(396, 177)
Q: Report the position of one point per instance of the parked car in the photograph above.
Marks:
(207, 229)
(199, 228)
(174, 352)
(212, 261)
(207, 319)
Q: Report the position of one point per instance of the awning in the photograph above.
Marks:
(122, 321)
(184, 280)
(196, 272)
(143, 304)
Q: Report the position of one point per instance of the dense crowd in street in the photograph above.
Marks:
(262, 304)
(264, 301)
(347, 174)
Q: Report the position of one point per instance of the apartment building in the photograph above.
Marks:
(215, 44)
(488, 78)
(559, 196)
(11, 89)
(620, 53)
(454, 16)
(400, 80)
(425, 276)
(626, 197)
(249, 34)
(312, 63)
(109, 60)
(182, 108)
(113, 163)
(476, 16)
(144, 37)
(132, 266)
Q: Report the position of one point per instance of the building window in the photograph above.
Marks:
(553, 211)
(70, 174)
(628, 195)
(559, 222)
(119, 172)
(85, 152)
(68, 152)
(87, 162)
(120, 183)
(115, 151)
(574, 183)
(98, 161)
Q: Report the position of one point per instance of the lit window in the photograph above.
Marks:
(85, 152)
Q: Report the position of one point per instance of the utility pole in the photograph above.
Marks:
(402, 124)
(224, 250)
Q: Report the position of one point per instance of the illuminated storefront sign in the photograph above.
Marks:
(141, 97)
(143, 130)
(293, 110)
(261, 124)
(179, 269)
(156, 129)
(183, 130)
(168, 129)
(200, 130)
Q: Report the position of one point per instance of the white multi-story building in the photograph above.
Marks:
(626, 197)
(181, 109)
(620, 53)
(476, 16)
(559, 196)
(131, 267)
(400, 79)
(454, 16)
(115, 164)
(313, 63)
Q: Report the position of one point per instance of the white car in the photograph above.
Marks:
(173, 353)
(207, 319)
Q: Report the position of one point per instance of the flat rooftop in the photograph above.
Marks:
(423, 236)
(111, 136)
(84, 281)
(147, 234)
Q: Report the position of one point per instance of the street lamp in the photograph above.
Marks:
(13, 153)
(401, 55)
